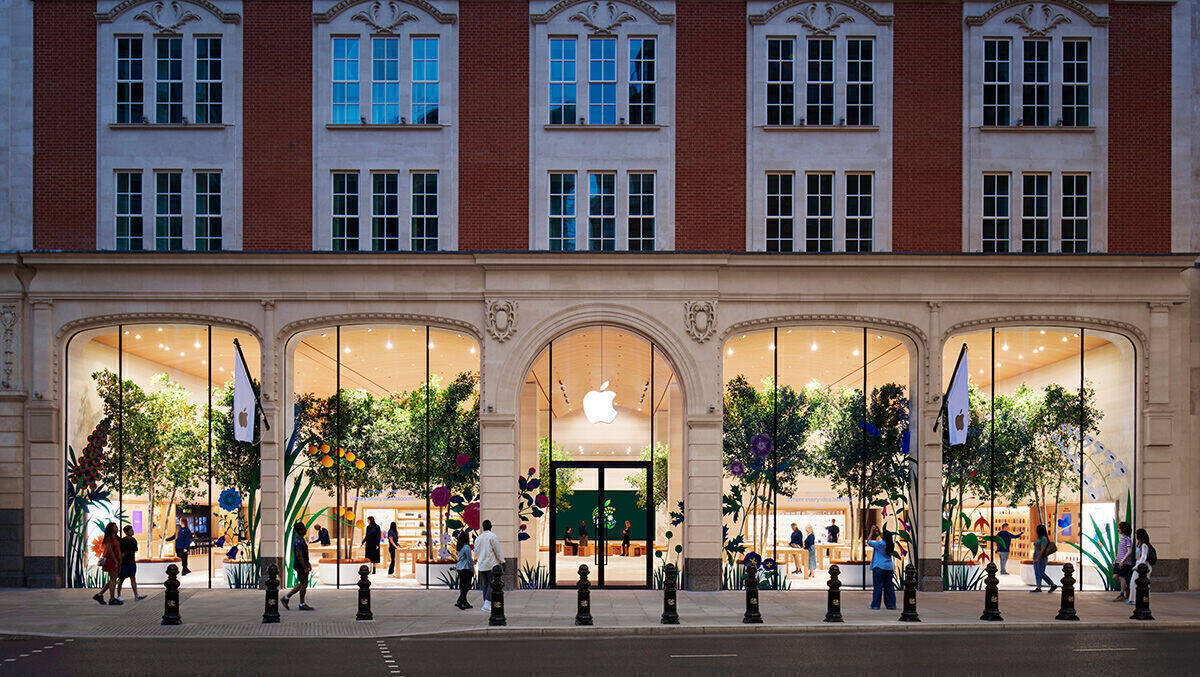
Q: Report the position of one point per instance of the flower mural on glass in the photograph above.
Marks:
(229, 500)
(610, 516)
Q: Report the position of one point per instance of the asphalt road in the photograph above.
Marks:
(1058, 652)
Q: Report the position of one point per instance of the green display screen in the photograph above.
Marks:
(622, 506)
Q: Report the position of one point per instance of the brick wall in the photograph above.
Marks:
(710, 126)
(927, 132)
(277, 117)
(64, 125)
(493, 125)
(1139, 124)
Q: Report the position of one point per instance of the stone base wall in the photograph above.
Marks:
(12, 548)
(45, 572)
(1169, 575)
(929, 575)
(701, 573)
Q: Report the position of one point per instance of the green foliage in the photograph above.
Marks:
(567, 477)
(241, 575)
(534, 576)
(749, 412)
(235, 464)
(962, 577)
(659, 466)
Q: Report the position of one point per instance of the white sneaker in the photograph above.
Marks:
(487, 607)
(119, 599)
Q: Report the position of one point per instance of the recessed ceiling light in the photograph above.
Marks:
(346, 349)
(137, 336)
(1020, 356)
(388, 345)
(855, 353)
(196, 345)
(160, 328)
(471, 350)
(203, 361)
(771, 347)
(729, 352)
(813, 346)
(1004, 347)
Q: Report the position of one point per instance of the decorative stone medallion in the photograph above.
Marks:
(501, 319)
(700, 319)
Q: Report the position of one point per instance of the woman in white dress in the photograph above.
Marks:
(1145, 555)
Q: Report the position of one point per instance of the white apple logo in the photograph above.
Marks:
(598, 405)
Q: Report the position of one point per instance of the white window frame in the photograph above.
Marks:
(567, 82)
(1033, 221)
(602, 84)
(999, 215)
(168, 220)
(351, 110)
(422, 220)
(862, 87)
(350, 216)
(1033, 88)
(643, 73)
(429, 99)
(384, 219)
(860, 212)
(213, 87)
(385, 86)
(643, 210)
(1076, 114)
(784, 86)
(208, 213)
(1002, 110)
(1075, 213)
(134, 84)
(602, 219)
(174, 85)
(783, 216)
(564, 217)
(821, 104)
(819, 232)
(132, 242)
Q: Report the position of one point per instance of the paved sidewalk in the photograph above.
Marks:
(238, 613)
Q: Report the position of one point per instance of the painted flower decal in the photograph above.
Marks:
(737, 469)
(440, 497)
(471, 516)
(762, 445)
(752, 558)
(768, 565)
(462, 460)
(229, 500)
(98, 546)
(542, 500)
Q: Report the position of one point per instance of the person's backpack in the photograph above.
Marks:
(1152, 557)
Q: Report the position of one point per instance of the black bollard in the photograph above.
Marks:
(497, 617)
(670, 614)
(909, 614)
(752, 614)
(364, 595)
(583, 609)
(1141, 594)
(171, 605)
(271, 608)
(991, 595)
(1066, 609)
(833, 609)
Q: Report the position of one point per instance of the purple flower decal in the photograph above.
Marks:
(768, 564)
(752, 558)
(762, 445)
(440, 497)
(462, 460)
(542, 500)
(737, 469)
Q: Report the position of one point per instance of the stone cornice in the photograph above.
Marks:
(1077, 7)
(332, 13)
(640, 5)
(856, 5)
(434, 321)
(126, 5)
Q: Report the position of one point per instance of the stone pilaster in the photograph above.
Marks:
(702, 525)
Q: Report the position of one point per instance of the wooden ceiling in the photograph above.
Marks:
(1018, 351)
(184, 347)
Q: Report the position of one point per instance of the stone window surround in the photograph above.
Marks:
(622, 173)
(365, 209)
(1015, 195)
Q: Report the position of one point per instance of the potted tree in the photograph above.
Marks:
(236, 466)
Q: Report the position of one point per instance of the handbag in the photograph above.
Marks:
(1050, 549)
(103, 562)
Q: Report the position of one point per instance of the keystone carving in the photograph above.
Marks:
(1035, 23)
(172, 22)
(382, 21)
(820, 25)
(700, 319)
(501, 319)
(588, 17)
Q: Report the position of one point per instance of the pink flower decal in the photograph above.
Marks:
(440, 497)
(462, 460)
(471, 516)
(542, 500)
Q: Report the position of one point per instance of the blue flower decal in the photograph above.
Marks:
(229, 500)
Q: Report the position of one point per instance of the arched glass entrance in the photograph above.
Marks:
(601, 443)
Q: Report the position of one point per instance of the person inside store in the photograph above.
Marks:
(1145, 555)
(183, 541)
(625, 540)
(1123, 567)
(583, 537)
(129, 548)
(301, 566)
(465, 568)
(797, 543)
(1042, 549)
(393, 539)
(810, 544)
(832, 532)
(570, 546)
(110, 564)
(320, 535)
(1004, 540)
(882, 568)
(372, 538)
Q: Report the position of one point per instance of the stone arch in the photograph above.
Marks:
(1075, 7)
(426, 7)
(126, 5)
(857, 5)
(640, 5)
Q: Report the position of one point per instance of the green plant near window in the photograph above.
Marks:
(659, 468)
(567, 477)
(237, 464)
(295, 466)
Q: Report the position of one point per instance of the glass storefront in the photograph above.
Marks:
(601, 449)
(1051, 444)
(816, 453)
(150, 446)
(383, 458)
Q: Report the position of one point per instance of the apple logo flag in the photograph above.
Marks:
(958, 416)
(243, 401)
(598, 405)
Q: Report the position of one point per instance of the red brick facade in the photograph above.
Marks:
(277, 125)
(710, 125)
(493, 125)
(64, 125)
(1139, 120)
(927, 83)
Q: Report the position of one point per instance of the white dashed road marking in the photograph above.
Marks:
(33, 651)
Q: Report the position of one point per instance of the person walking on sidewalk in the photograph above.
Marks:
(393, 538)
(1042, 549)
(371, 540)
(1123, 568)
(1145, 555)
(488, 555)
(129, 548)
(882, 569)
(465, 568)
(301, 566)
(110, 563)
(183, 542)
(1004, 546)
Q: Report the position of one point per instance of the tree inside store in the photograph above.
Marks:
(236, 466)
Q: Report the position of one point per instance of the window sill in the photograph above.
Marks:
(375, 128)
(606, 128)
(1036, 129)
(819, 128)
(167, 125)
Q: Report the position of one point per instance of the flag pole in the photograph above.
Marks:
(257, 401)
(954, 374)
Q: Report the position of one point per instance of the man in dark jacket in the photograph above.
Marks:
(183, 542)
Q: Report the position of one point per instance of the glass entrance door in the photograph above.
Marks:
(605, 523)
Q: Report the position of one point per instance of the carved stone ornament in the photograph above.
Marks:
(384, 17)
(156, 13)
(1037, 23)
(164, 21)
(8, 321)
(501, 319)
(818, 22)
(590, 17)
(700, 319)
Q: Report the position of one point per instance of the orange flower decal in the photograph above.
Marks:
(98, 547)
